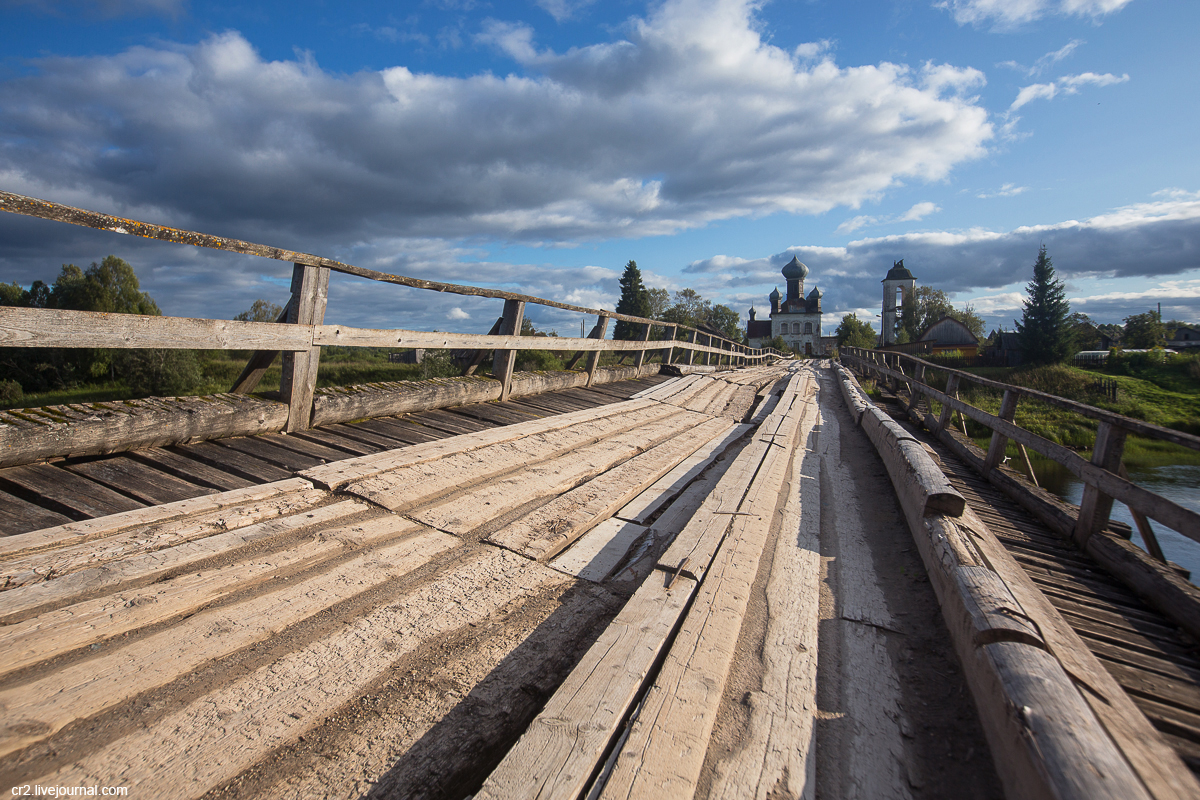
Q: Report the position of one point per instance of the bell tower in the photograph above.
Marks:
(899, 281)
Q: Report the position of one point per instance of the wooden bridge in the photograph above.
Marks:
(667, 579)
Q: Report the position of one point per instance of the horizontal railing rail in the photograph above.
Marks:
(301, 331)
(1103, 476)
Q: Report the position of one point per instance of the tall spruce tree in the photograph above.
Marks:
(635, 301)
(1045, 328)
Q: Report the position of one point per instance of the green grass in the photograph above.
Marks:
(1138, 397)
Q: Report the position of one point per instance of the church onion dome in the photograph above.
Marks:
(815, 293)
(795, 270)
(775, 296)
(899, 272)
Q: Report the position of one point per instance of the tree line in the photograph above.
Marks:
(689, 308)
(1048, 332)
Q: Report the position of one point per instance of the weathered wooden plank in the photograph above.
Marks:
(668, 740)
(600, 550)
(47, 327)
(292, 493)
(215, 737)
(776, 753)
(556, 755)
(309, 445)
(19, 516)
(562, 748)
(477, 506)
(139, 557)
(189, 469)
(449, 422)
(400, 429)
(44, 706)
(647, 504)
(53, 633)
(65, 492)
(130, 477)
(119, 426)
(490, 412)
(344, 446)
(423, 480)
(369, 438)
(234, 461)
(542, 533)
(277, 456)
(336, 475)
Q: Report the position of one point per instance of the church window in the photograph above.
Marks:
(808, 327)
(795, 327)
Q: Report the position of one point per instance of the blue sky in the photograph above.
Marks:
(539, 145)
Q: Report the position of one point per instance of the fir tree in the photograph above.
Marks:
(635, 301)
(1045, 328)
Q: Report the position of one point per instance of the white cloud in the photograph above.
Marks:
(1067, 85)
(1007, 190)
(457, 313)
(563, 10)
(1157, 239)
(917, 212)
(691, 118)
(1006, 14)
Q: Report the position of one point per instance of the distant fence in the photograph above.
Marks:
(300, 332)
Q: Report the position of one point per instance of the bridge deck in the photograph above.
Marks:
(699, 587)
(40, 496)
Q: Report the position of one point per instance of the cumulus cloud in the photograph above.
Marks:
(1005, 14)
(457, 313)
(1155, 239)
(691, 118)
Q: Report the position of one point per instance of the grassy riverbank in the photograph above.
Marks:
(1169, 398)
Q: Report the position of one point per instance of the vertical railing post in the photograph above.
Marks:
(641, 356)
(947, 409)
(597, 332)
(600, 330)
(310, 293)
(504, 360)
(918, 378)
(691, 340)
(707, 355)
(669, 350)
(478, 356)
(1095, 506)
(995, 453)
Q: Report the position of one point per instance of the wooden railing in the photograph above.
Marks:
(1104, 476)
(303, 330)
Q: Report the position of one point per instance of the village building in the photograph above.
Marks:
(794, 316)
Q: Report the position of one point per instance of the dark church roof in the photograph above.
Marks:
(759, 329)
(899, 272)
(795, 270)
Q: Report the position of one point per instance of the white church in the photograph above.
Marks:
(795, 317)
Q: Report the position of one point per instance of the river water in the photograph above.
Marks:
(1177, 482)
